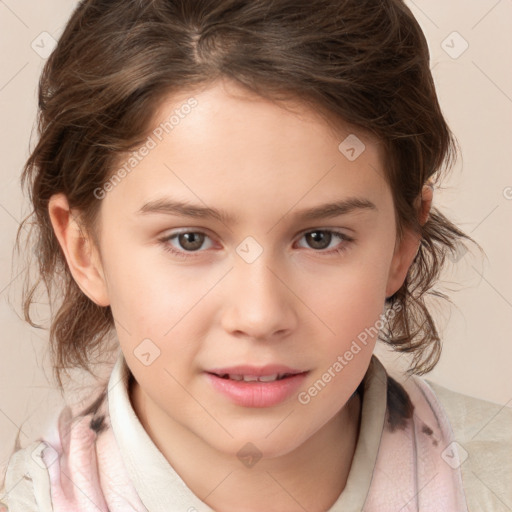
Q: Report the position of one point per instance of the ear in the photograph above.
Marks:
(406, 250)
(79, 249)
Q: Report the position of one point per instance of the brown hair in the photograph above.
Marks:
(362, 62)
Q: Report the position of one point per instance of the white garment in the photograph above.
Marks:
(412, 468)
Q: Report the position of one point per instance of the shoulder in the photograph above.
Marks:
(26, 482)
(474, 418)
(33, 473)
(483, 440)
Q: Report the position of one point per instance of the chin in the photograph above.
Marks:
(268, 441)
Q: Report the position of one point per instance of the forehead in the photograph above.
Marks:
(223, 143)
(229, 106)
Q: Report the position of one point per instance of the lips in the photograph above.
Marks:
(257, 371)
(251, 386)
(246, 373)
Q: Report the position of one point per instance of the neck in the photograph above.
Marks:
(311, 477)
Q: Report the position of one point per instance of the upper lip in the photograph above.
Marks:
(257, 371)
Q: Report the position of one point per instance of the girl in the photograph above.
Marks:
(238, 195)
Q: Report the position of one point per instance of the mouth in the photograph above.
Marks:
(250, 386)
(254, 378)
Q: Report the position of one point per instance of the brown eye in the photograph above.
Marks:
(191, 241)
(186, 243)
(319, 239)
(326, 241)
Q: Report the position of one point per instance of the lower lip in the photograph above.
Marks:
(258, 394)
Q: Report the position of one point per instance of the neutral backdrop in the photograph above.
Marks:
(471, 48)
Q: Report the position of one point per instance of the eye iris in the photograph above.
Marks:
(196, 239)
(318, 239)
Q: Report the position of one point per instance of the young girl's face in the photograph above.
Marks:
(257, 279)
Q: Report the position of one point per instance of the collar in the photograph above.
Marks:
(161, 489)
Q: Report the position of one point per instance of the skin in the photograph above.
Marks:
(293, 305)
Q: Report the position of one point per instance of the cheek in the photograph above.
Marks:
(353, 313)
(146, 294)
(149, 305)
(351, 299)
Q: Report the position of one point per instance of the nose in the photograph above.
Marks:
(259, 302)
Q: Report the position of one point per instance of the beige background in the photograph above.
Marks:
(475, 91)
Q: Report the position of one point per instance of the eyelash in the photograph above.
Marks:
(191, 254)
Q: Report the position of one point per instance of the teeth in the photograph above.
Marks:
(268, 378)
(254, 378)
(250, 378)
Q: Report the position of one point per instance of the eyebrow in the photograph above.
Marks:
(184, 209)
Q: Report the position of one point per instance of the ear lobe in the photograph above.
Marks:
(79, 250)
(409, 245)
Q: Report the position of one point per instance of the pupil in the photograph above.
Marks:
(319, 239)
(195, 239)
